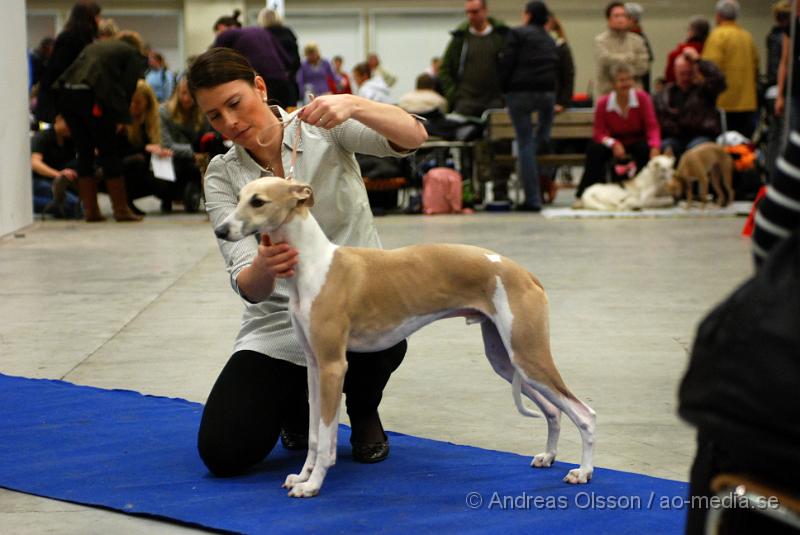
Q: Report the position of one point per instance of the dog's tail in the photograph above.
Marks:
(516, 389)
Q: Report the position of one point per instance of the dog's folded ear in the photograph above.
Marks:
(303, 193)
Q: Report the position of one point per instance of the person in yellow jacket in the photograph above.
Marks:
(733, 50)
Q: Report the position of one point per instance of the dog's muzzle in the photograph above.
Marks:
(222, 231)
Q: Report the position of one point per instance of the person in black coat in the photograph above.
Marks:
(79, 31)
(95, 95)
(270, 20)
(528, 76)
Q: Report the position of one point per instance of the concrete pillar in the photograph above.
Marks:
(16, 202)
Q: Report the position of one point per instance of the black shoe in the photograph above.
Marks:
(371, 452)
(528, 208)
(294, 441)
(135, 209)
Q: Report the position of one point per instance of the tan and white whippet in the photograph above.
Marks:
(342, 298)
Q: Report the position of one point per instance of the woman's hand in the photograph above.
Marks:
(618, 150)
(276, 261)
(654, 152)
(780, 103)
(328, 111)
(158, 150)
(558, 108)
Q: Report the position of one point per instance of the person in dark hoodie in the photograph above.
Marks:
(79, 31)
(273, 23)
(528, 75)
(95, 95)
(469, 67)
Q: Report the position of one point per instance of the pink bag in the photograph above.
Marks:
(441, 191)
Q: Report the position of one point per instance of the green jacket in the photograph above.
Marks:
(456, 53)
(110, 68)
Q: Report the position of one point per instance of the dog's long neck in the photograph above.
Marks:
(302, 232)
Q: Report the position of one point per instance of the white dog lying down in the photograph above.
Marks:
(646, 190)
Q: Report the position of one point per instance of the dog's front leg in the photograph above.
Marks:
(331, 382)
(313, 424)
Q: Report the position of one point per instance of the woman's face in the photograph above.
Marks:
(623, 82)
(138, 104)
(312, 57)
(185, 100)
(236, 110)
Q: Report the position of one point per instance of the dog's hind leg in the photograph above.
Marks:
(528, 339)
(501, 363)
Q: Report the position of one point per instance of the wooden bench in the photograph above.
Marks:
(571, 124)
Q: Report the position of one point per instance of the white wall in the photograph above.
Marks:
(16, 202)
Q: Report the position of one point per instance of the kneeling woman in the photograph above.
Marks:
(261, 393)
(624, 124)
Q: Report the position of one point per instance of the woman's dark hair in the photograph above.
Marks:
(699, 28)
(82, 18)
(229, 20)
(219, 66)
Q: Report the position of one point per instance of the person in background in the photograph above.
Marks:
(376, 70)
(469, 67)
(343, 87)
(617, 46)
(696, 36)
(369, 87)
(782, 15)
(79, 31)
(528, 76)
(40, 57)
(182, 126)
(272, 21)
(54, 164)
(226, 22)
(624, 123)
(635, 12)
(159, 77)
(266, 54)
(107, 28)
(433, 71)
(314, 73)
(424, 99)
(95, 95)
(565, 71)
(733, 50)
(138, 141)
(687, 108)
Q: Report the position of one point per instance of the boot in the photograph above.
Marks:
(87, 189)
(119, 200)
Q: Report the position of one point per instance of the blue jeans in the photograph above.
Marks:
(520, 106)
(681, 145)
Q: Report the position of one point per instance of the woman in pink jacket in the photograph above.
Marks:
(624, 124)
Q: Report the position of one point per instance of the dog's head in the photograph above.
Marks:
(264, 205)
(662, 167)
(675, 186)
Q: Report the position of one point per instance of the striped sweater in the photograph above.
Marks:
(778, 214)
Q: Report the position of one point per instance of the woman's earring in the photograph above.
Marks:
(265, 99)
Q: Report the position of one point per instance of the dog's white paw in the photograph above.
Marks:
(543, 460)
(578, 476)
(294, 479)
(305, 489)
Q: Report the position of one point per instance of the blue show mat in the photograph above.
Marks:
(137, 454)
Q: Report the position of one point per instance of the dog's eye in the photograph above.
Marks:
(255, 202)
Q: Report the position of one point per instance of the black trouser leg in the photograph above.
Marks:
(594, 171)
(640, 152)
(244, 412)
(367, 376)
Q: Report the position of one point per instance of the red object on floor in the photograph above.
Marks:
(750, 223)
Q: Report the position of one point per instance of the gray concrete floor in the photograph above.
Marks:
(148, 307)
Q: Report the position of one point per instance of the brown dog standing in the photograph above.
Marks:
(697, 164)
